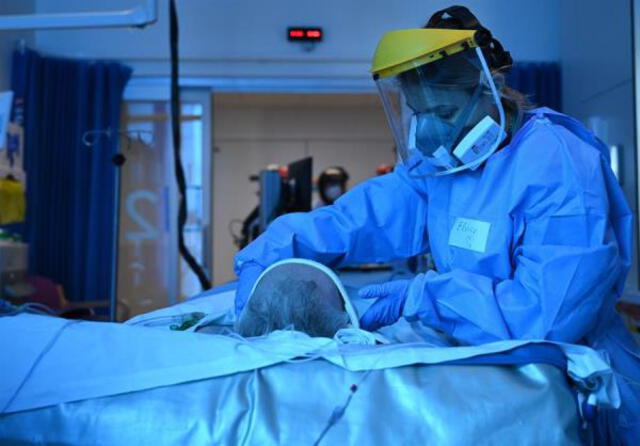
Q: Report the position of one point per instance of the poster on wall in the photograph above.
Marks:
(11, 156)
(6, 98)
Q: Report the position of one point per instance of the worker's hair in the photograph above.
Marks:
(498, 59)
(513, 99)
(294, 296)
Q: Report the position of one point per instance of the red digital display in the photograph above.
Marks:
(305, 34)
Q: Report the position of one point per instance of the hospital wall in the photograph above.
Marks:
(597, 66)
(253, 131)
(230, 44)
(8, 39)
(240, 39)
(235, 45)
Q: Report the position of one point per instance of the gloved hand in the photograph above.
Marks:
(388, 307)
(248, 276)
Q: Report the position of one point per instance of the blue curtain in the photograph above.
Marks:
(70, 187)
(540, 81)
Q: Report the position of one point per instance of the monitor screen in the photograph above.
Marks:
(300, 186)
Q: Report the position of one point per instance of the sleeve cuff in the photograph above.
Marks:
(421, 305)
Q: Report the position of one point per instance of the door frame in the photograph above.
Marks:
(143, 91)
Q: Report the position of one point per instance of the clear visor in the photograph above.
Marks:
(446, 116)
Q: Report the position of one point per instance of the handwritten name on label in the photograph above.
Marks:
(470, 234)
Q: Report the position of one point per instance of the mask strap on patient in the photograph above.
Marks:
(334, 347)
(318, 353)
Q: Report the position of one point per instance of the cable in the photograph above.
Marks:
(630, 381)
(236, 238)
(338, 411)
(37, 308)
(179, 171)
(328, 348)
(41, 355)
(9, 309)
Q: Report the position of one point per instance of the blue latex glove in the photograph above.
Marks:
(388, 307)
(248, 277)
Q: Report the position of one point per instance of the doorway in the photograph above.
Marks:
(252, 131)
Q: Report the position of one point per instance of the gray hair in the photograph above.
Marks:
(294, 296)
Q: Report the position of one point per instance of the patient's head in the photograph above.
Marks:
(296, 295)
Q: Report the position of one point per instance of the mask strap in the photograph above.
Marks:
(464, 116)
(496, 97)
(471, 104)
(411, 139)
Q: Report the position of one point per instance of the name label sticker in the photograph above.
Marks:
(470, 234)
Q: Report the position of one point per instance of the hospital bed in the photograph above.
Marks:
(71, 382)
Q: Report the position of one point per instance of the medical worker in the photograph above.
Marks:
(530, 233)
(332, 184)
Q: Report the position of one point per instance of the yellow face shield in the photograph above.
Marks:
(441, 102)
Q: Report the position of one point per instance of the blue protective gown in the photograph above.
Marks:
(535, 244)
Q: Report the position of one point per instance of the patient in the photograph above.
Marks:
(295, 295)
